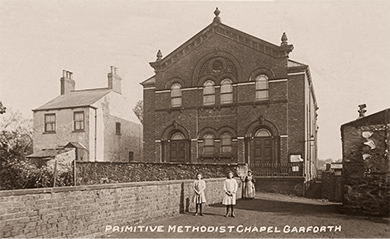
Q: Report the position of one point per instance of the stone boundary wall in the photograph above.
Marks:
(89, 173)
(86, 210)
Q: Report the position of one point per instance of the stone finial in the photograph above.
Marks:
(217, 18)
(159, 55)
(284, 39)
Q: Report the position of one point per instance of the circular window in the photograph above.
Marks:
(217, 65)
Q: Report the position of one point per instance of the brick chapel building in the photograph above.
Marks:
(227, 97)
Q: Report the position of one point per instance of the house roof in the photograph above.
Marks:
(47, 153)
(149, 81)
(76, 98)
(381, 117)
(75, 145)
(217, 28)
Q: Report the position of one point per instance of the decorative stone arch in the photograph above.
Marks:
(225, 75)
(261, 123)
(261, 70)
(229, 62)
(172, 81)
(207, 130)
(227, 129)
(206, 78)
(173, 128)
(175, 150)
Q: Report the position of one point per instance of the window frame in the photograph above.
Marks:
(227, 93)
(211, 94)
(118, 128)
(223, 145)
(259, 89)
(176, 97)
(53, 123)
(78, 121)
(208, 149)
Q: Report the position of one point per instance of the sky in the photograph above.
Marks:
(345, 44)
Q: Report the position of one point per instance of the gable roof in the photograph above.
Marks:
(76, 98)
(217, 28)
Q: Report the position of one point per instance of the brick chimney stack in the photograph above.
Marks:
(362, 110)
(67, 82)
(114, 81)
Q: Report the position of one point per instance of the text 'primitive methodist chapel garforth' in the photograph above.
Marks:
(227, 97)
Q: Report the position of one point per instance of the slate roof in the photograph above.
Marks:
(149, 81)
(76, 98)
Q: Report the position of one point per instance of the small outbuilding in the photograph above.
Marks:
(366, 164)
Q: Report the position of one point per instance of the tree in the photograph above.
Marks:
(139, 111)
(15, 145)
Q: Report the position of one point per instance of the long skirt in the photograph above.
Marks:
(249, 190)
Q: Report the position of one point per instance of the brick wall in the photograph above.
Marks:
(86, 210)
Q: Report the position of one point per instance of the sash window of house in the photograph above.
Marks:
(50, 123)
(78, 118)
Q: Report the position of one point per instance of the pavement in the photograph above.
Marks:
(267, 216)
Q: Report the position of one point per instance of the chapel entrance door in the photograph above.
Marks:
(178, 149)
(262, 156)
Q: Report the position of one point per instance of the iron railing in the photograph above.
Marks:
(277, 169)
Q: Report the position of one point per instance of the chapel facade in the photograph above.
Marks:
(227, 97)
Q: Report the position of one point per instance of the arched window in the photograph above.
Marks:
(261, 87)
(208, 144)
(208, 93)
(226, 143)
(226, 91)
(176, 95)
(262, 133)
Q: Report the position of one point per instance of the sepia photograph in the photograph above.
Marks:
(194, 119)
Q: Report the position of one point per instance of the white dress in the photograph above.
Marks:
(230, 186)
(199, 186)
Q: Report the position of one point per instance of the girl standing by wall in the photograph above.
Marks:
(199, 196)
(230, 187)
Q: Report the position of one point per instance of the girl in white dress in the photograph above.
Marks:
(199, 196)
(229, 198)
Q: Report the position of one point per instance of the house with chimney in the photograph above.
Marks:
(97, 124)
(227, 97)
